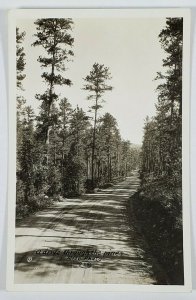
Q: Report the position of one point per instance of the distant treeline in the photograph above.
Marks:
(62, 151)
(159, 202)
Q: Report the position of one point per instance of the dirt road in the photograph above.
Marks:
(91, 240)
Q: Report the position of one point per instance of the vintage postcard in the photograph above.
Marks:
(98, 192)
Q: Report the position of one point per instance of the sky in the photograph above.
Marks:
(129, 47)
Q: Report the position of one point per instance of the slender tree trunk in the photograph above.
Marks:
(110, 169)
(55, 154)
(98, 170)
(50, 98)
(94, 140)
(87, 167)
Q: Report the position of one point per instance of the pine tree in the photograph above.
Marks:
(20, 67)
(21, 110)
(108, 133)
(54, 36)
(169, 108)
(26, 155)
(161, 189)
(171, 39)
(96, 84)
(162, 144)
(20, 58)
(75, 173)
(65, 115)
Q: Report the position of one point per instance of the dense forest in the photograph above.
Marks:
(159, 207)
(61, 150)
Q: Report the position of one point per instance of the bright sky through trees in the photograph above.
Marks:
(129, 47)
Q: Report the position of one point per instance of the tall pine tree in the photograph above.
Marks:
(96, 85)
(53, 35)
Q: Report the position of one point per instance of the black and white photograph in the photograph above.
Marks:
(98, 175)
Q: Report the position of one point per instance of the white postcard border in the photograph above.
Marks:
(91, 13)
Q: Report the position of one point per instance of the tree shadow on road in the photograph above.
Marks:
(98, 222)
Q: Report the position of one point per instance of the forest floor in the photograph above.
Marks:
(102, 222)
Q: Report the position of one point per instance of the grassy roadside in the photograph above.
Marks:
(165, 240)
(37, 203)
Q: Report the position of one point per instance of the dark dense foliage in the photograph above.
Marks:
(62, 151)
(159, 206)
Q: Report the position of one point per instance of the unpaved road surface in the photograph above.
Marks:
(100, 223)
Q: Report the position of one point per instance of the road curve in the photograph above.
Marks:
(91, 239)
